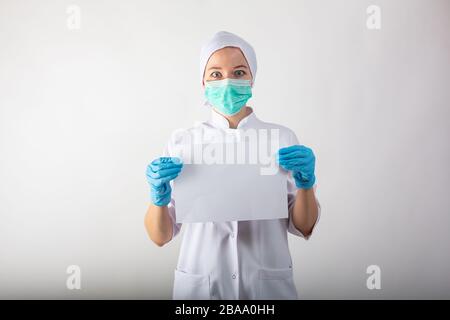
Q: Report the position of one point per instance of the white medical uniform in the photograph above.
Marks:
(236, 259)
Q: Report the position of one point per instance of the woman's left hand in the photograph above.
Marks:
(301, 161)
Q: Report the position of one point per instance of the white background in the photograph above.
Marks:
(83, 111)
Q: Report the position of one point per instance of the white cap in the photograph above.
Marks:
(224, 39)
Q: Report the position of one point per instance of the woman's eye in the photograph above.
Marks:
(216, 74)
(239, 73)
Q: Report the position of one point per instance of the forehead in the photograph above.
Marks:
(227, 56)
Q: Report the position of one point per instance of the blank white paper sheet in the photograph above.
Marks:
(229, 192)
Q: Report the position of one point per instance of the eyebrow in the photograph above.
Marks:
(218, 68)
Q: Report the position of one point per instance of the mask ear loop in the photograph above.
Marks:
(205, 103)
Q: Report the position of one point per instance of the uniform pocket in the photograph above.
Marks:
(276, 284)
(189, 286)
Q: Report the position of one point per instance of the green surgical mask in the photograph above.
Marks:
(228, 96)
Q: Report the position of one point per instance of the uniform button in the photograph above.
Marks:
(232, 234)
(234, 276)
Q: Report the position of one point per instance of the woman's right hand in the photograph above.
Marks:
(159, 173)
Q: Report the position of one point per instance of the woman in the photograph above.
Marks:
(235, 259)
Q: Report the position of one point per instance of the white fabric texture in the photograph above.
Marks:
(235, 259)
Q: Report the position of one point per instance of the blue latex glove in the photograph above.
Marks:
(301, 161)
(159, 173)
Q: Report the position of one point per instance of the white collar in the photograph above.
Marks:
(219, 121)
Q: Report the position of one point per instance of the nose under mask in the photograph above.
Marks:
(228, 96)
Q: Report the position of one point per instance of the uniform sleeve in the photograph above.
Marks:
(176, 227)
(292, 191)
